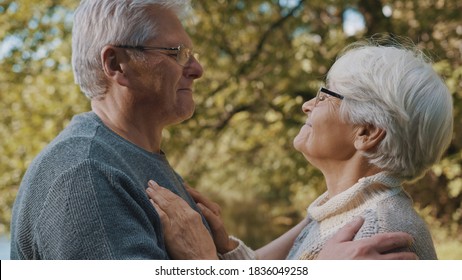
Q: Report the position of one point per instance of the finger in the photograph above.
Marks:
(170, 203)
(392, 241)
(399, 256)
(151, 193)
(157, 193)
(154, 188)
(348, 232)
(162, 215)
(214, 207)
(162, 196)
(213, 220)
(158, 209)
(199, 198)
(196, 195)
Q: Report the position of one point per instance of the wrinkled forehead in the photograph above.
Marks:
(168, 25)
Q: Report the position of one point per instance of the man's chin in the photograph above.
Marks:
(184, 117)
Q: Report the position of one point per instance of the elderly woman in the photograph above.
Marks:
(383, 119)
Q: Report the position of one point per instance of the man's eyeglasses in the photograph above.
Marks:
(182, 54)
(322, 95)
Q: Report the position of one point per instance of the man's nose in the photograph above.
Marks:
(193, 69)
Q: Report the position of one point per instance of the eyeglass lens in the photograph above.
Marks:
(184, 55)
(319, 96)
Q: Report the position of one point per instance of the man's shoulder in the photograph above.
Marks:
(77, 141)
(80, 142)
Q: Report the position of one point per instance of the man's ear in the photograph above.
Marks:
(113, 60)
(368, 137)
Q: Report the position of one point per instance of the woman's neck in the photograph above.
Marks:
(341, 176)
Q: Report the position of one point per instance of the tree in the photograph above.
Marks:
(36, 89)
(262, 60)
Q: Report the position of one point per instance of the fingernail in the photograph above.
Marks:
(152, 183)
(149, 190)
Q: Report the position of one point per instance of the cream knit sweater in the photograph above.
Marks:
(380, 199)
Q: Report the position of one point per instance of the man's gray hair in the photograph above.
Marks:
(395, 88)
(101, 22)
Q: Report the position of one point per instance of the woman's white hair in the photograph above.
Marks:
(395, 88)
(101, 22)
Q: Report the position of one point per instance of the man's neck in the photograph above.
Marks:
(129, 123)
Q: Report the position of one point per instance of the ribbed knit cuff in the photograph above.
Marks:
(242, 252)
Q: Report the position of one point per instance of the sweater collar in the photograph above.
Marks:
(366, 190)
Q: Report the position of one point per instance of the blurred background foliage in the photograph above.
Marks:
(262, 60)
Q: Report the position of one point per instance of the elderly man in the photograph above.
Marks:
(84, 197)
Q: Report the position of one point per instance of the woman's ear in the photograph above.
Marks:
(368, 137)
(113, 60)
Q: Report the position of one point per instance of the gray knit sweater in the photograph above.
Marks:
(83, 197)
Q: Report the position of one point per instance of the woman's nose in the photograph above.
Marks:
(308, 105)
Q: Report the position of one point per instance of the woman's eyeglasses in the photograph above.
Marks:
(322, 95)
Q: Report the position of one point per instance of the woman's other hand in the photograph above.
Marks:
(212, 213)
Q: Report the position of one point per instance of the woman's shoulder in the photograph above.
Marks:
(397, 214)
(394, 213)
